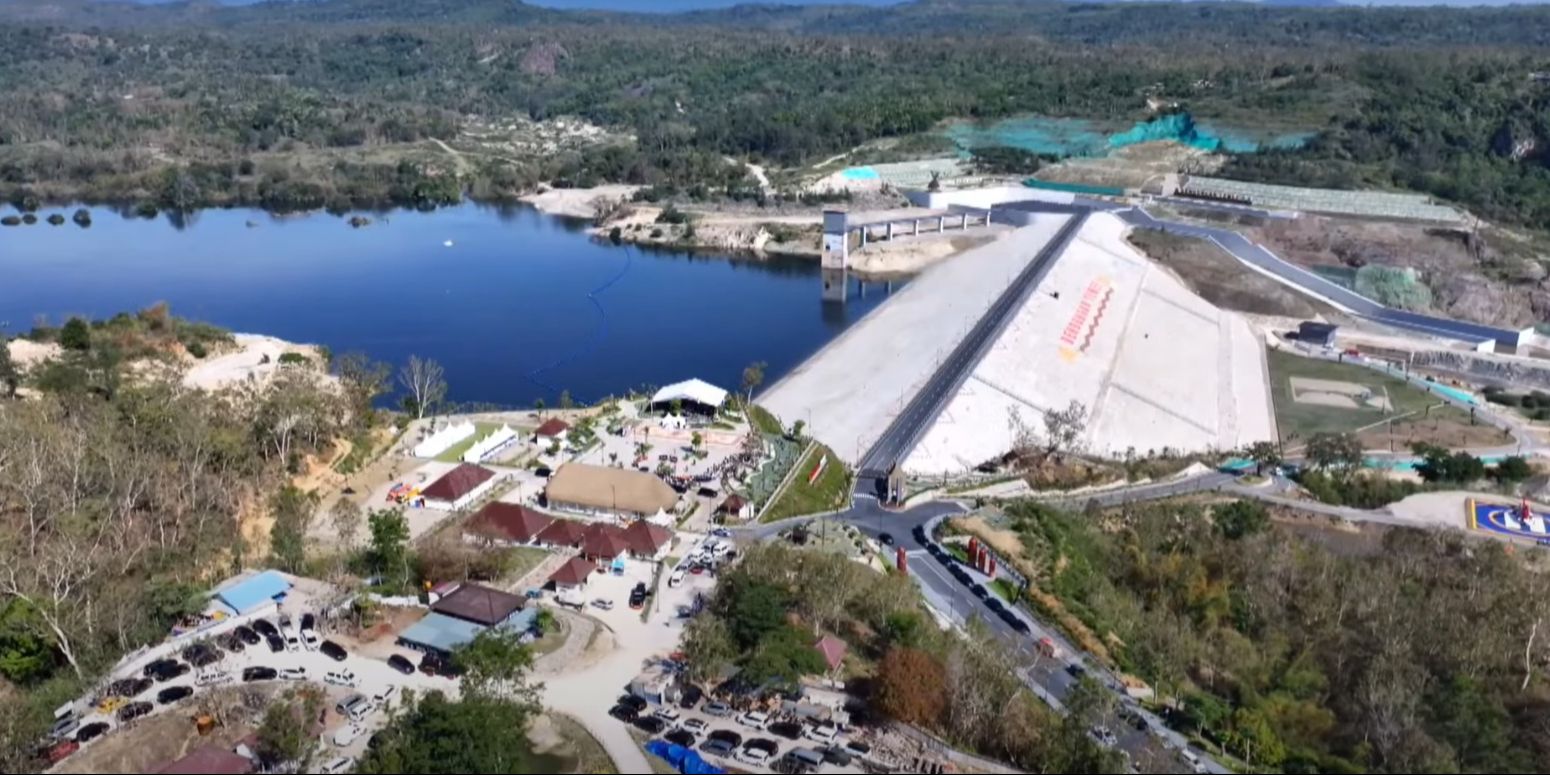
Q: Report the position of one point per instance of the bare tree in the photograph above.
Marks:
(345, 517)
(426, 382)
(1063, 428)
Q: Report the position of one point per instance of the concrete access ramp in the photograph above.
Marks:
(850, 392)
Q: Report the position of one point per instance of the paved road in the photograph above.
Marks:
(907, 427)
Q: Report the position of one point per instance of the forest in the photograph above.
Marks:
(333, 103)
(1295, 653)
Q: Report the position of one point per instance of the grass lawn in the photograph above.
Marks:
(763, 420)
(581, 747)
(1299, 420)
(454, 454)
(552, 639)
(828, 493)
(1006, 589)
(959, 551)
(520, 560)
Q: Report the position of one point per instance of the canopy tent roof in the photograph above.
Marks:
(250, 593)
(604, 488)
(697, 390)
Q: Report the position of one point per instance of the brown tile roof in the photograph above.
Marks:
(478, 604)
(562, 532)
(575, 571)
(458, 482)
(733, 504)
(508, 522)
(604, 488)
(605, 541)
(210, 761)
(646, 538)
(832, 649)
(553, 426)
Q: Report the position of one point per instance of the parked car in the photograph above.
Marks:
(837, 755)
(128, 687)
(758, 752)
(668, 715)
(823, 733)
(728, 735)
(333, 651)
(232, 643)
(996, 606)
(276, 643)
(337, 765)
(651, 725)
(247, 634)
(341, 678)
(802, 760)
(384, 697)
(787, 729)
(61, 751)
(637, 599)
(979, 591)
(696, 725)
(691, 697)
(162, 670)
(64, 727)
(355, 707)
(88, 732)
(1104, 736)
(886, 539)
(633, 702)
(718, 709)
(212, 678)
(603, 604)
(172, 694)
(133, 711)
(401, 663)
(718, 747)
(293, 673)
(721, 532)
(251, 674)
(676, 579)
(1075, 670)
(201, 654)
(624, 713)
(681, 737)
(754, 719)
(348, 734)
(264, 627)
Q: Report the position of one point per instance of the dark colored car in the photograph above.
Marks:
(624, 713)
(247, 635)
(920, 533)
(309, 622)
(728, 735)
(172, 694)
(691, 697)
(332, 650)
(718, 747)
(764, 744)
(276, 643)
(787, 729)
(1075, 670)
(129, 687)
(632, 702)
(858, 748)
(201, 655)
(980, 591)
(91, 731)
(681, 737)
(836, 755)
(651, 725)
(401, 664)
(886, 539)
(163, 670)
(264, 627)
(996, 606)
(259, 674)
(637, 600)
(134, 710)
(1016, 622)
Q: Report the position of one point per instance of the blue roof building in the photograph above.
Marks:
(254, 592)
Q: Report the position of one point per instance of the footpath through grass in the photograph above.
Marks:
(831, 491)
(1301, 419)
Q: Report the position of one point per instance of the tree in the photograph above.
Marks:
(754, 609)
(753, 377)
(10, 375)
(797, 428)
(345, 518)
(708, 648)
(1240, 519)
(1340, 453)
(1511, 469)
(389, 554)
(495, 665)
(783, 656)
(1063, 428)
(565, 401)
(427, 385)
(286, 741)
(1265, 454)
(437, 736)
(911, 687)
(362, 380)
(696, 441)
(292, 511)
(1004, 160)
(75, 335)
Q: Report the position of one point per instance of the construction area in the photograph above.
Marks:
(1155, 366)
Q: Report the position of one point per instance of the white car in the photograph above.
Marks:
(341, 678)
(695, 725)
(348, 734)
(668, 714)
(823, 733)
(339, 764)
(603, 604)
(293, 673)
(310, 639)
(754, 719)
(384, 698)
(676, 579)
(356, 707)
(754, 756)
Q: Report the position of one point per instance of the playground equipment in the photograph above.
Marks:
(406, 494)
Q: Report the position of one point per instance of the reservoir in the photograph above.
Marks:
(515, 304)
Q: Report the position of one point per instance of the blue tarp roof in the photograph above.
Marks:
(684, 759)
(444, 633)
(250, 593)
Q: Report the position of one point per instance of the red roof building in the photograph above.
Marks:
(507, 523)
(832, 650)
(561, 532)
(209, 760)
(574, 573)
(604, 542)
(458, 487)
(647, 540)
(479, 604)
(553, 428)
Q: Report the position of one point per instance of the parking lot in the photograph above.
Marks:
(746, 742)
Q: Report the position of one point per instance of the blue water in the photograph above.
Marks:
(1454, 393)
(859, 173)
(508, 299)
(1411, 463)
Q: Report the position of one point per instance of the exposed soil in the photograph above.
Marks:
(1221, 279)
(147, 744)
